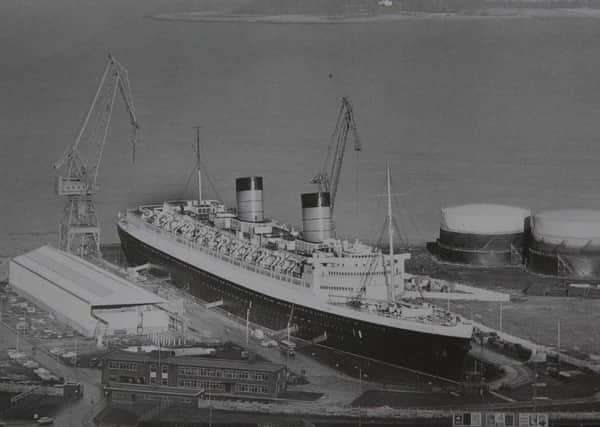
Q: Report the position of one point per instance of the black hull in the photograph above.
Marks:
(434, 354)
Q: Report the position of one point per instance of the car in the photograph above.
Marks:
(269, 343)
(45, 421)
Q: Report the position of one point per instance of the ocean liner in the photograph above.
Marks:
(346, 295)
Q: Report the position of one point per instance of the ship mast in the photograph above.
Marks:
(392, 281)
(198, 164)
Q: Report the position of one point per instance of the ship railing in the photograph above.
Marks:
(214, 253)
(429, 320)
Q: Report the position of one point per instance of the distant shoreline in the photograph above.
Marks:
(216, 17)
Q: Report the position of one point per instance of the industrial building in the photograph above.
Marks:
(482, 234)
(565, 243)
(217, 378)
(91, 300)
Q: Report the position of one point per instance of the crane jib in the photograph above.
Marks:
(79, 228)
(328, 178)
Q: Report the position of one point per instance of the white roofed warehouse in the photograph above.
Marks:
(565, 243)
(482, 234)
(91, 300)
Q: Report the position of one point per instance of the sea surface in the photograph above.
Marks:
(503, 110)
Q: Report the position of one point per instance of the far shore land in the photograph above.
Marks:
(218, 17)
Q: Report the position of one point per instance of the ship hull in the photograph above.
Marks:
(430, 353)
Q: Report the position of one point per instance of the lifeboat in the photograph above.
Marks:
(214, 242)
(164, 221)
(240, 251)
(173, 225)
(269, 261)
(201, 233)
(247, 251)
(250, 255)
(263, 254)
(188, 230)
(276, 265)
(231, 247)
(208, 238)
(258, 256)
(180, 228)
(288, 265)
(223, 243)
(157, 219)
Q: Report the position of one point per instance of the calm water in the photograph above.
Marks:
(466, 110)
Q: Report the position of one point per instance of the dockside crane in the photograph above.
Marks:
(328, 178)
(79, 229)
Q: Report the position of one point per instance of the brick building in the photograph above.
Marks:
(217, 378)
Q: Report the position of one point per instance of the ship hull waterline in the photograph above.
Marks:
(434, 354)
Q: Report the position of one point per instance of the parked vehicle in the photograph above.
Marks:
(287, 347)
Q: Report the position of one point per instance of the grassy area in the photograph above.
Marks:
(536, 319)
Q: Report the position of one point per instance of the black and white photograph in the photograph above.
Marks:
(298, 213)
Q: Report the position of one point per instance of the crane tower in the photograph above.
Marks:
(79, 230)
(328, 178)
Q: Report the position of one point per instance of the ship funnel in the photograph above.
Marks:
(317, 224)
(249, 195)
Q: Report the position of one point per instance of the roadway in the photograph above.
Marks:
(516, 374)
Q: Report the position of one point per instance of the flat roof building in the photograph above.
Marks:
(216, 378)
(83, 295)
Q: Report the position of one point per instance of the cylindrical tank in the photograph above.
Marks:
(249, 195)
(482, 234)
(565, 243)
(317, 224)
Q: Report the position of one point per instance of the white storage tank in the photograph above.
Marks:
(482, 234)
(565, 243)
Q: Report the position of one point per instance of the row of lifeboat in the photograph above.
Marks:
(224, 242)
